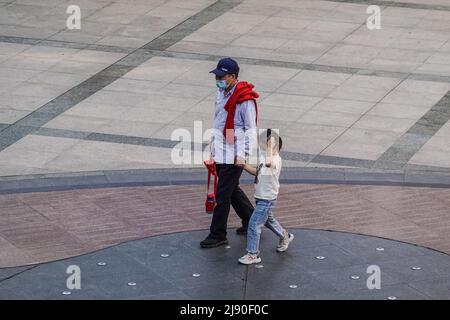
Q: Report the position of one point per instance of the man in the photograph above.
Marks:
(232, 142)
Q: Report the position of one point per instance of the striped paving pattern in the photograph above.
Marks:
(45, 226)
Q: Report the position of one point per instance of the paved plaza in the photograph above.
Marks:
(86, 140)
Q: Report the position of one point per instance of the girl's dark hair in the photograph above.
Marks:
(278, 141)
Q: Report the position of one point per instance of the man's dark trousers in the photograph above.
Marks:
(229, 192)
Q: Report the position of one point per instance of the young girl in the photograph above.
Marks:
(266, 191)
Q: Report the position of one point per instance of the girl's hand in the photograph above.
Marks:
(270, 146)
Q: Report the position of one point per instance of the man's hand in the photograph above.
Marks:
(239, 161)
(250, 169)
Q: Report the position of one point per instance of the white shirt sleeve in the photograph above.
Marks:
(246, 136)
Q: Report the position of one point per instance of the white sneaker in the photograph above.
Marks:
(250, 259)
(284, 242)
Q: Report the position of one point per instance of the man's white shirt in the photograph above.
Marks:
(244, 130)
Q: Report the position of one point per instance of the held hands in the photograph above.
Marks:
(239, 161)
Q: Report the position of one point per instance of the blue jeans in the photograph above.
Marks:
(262, 215)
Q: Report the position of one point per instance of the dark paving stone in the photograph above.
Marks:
(44, 184)
(383, 73)
(400, 291)
(35, 119)
(341, 279)
(11, 272)
(135, 58)
(269, 283)
(422, 128)
(373, 177)
(424, 168)
(21, 40)
(432, 178)
(428, 77)
(335, 257)
(402, 269)
(229, 291)
(157, 177)
(50, 132)
(14, 133)
(366, 248)
(147, 283)
(222, 277)
(3, 126)
(343, 161)
(436, 289)
(45, 284)
(173, 295)
(410, 175)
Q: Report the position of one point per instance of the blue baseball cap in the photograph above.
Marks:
(226, 66)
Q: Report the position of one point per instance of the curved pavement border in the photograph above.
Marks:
(164, 177)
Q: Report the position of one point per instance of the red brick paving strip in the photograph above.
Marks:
(46, 226)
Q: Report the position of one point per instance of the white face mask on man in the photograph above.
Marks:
(221, 84)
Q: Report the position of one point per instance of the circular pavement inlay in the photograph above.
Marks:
(66, 293)
(164, 255)
(101, 264)
(379, 249)
(341, 267)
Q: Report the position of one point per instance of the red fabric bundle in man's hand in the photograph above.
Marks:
(210, 201)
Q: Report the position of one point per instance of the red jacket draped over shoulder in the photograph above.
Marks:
(243, 92)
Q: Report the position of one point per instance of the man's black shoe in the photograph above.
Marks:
(241, 231)
(212, 243)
